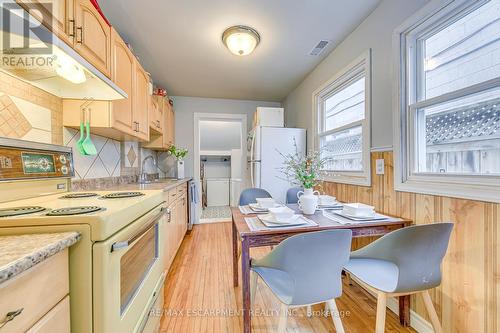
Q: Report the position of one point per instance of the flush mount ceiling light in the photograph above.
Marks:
(241, 40)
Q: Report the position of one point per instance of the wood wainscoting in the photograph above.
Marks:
(468, 299)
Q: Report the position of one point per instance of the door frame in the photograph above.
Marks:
(200, 116)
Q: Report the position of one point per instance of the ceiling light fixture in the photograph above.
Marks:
(241, 40)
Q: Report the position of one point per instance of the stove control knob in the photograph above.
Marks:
(62, 159)
(64, 170)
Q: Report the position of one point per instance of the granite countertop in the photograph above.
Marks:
(161, 184)
(21, 252)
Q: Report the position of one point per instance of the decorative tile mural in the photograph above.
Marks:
(105, 164)
(29, 113)
(24, 120)
(131, 154)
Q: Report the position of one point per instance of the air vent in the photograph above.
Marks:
(319, 47)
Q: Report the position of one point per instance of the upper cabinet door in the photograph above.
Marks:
(122, 73)
(92, 36)
(141, 102)
(56, 15)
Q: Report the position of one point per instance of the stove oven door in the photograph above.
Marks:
(127, 268)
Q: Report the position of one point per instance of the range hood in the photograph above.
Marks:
(32, 53)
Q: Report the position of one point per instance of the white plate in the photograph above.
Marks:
(374, 217)
(269, 218)
(358, 216)
(256, 207)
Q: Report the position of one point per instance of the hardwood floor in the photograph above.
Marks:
(199, 294)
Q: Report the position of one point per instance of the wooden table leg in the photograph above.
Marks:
(245, 278)
(235, 256)
(404, 310)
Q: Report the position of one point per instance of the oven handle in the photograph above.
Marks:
(152, 221)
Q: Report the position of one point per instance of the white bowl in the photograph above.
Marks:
(326, 200)
(358, 209)
(266, 202)
(281, 214)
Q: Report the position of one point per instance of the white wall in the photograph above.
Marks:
(220, 135)
(186, 107)
(374, 32)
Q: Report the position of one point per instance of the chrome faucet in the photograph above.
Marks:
(143, 177)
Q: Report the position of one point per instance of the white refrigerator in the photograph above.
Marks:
(265, 161)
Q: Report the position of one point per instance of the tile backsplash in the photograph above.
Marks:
(105, 164)
(29, 113)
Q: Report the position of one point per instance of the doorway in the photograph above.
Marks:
(219, 163)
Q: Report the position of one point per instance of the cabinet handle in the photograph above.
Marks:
(10, 316)
(81, 35)
(169, 213)
(72, 30)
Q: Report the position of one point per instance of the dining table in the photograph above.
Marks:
(244, 238)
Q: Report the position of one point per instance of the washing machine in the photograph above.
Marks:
(217, 192)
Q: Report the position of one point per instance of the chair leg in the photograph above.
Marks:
(431, 311)
(337, 321)
(381, 309)
(253, 287)
(309, 311)
(283, 318)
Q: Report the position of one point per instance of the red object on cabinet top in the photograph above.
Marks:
(96, 5)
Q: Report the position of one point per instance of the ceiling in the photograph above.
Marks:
(179, 42)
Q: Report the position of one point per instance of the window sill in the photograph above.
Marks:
(454, 190)
(347, 179)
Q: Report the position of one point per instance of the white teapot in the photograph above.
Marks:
(308, 201)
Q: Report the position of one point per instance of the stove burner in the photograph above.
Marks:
(15, 211)
(119, 195)
(78, 195)
(74, 210)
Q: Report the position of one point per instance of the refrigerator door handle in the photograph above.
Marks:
(251, 174)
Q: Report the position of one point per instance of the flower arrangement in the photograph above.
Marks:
(178, 153)
(304, 171)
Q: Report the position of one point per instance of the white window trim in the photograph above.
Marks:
(363, 178)
(474, 187)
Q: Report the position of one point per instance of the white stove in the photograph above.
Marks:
(117, 268)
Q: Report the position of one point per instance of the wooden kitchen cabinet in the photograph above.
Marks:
(79, 24)
(124, 119)
(42, 292)
(169, 127)
(57, 15)
(176, 226)
(123, 74)
(141, 103)
(156, 114)
(92, 36)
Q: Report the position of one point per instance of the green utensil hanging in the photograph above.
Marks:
(87, 144)
(79, 144)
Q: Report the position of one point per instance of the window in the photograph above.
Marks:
(449, 90)
(342, 113)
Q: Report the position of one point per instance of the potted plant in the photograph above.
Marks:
(305, 171)
(179, 154)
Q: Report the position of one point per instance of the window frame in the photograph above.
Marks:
(358, 68)
(430, 18)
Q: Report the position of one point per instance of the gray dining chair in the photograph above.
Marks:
(291, 195)
(403, 262)
(305, 269)
(250, 195)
